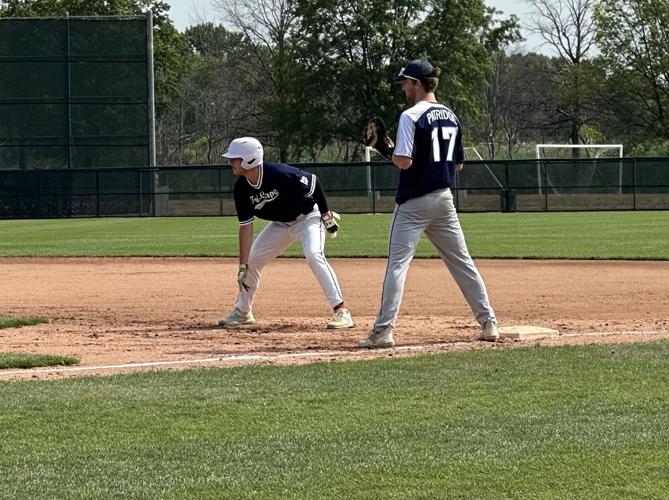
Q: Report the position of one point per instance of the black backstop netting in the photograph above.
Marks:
(74, 93)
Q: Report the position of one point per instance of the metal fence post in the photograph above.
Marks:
(97, 193)
(141, 198)
(545, 167)
(634, 184)
(220, 191)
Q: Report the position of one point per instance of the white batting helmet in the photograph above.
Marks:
(246, 148)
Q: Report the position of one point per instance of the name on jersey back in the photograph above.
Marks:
(441, 114)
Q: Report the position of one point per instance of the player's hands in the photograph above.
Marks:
(376, 136)
(330, 220)
(241, 275)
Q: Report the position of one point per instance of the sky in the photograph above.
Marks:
(185, 13)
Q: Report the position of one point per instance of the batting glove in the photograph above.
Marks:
(330, 221)
(241, 274)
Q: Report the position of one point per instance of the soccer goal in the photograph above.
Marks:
(591, 150)
(566, 152)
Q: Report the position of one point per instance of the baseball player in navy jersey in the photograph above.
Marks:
(294, 201)
(428, 152)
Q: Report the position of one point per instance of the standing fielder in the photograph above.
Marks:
(429, 151)
(295, 203)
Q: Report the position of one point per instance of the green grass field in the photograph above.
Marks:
(533, 423)
(568, 235)
(575, 422)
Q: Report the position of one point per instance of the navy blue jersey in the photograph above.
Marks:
(282, 193)
(431, 135)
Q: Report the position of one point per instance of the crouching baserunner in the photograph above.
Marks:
(294, 201)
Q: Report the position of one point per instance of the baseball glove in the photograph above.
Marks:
(376, 136)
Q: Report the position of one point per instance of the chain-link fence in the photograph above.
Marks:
(524, 186)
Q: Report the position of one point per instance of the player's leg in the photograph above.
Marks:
(408, 223)
(311, 233)
(446, 234)
(272, 241)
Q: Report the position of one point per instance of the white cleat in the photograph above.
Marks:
(489, 332)
(341, 319)
(237, 317)
(377, 340)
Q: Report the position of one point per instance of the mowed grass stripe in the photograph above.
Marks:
(568, 235)
(541, 423)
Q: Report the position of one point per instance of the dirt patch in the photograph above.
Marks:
(139, 310)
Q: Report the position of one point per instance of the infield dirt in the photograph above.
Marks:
(137, 310)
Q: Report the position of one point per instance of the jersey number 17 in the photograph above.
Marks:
(447, 134)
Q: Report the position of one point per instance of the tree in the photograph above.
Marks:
(345, 54)
(267, 27)
(634, 39)
(496, 94)
(519, 104)
(214, 105)
(351, 49)
(567, 27)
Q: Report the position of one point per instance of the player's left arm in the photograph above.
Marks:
(459, 150)
(319, 197)
(329, 218)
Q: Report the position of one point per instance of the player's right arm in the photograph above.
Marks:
(245, 241)
(245, 216)
(403, 154)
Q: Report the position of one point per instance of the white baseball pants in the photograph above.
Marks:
(274, 239)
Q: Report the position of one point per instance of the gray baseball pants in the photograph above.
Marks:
(433, 214)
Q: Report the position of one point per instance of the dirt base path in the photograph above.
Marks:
(143, 310)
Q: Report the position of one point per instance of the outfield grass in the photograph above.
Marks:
(567, 235)
(18, 321)
(573, 422)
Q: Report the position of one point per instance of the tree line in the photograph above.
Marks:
(304, 76)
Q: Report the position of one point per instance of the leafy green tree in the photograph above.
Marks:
(215, 102)
(351, 49)
(269, 69)
(520, 105)
(633, 36)
(345, 53)
(214, 41)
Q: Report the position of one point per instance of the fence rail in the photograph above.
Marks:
(483, 186)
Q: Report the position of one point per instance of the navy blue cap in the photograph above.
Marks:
(414, 70)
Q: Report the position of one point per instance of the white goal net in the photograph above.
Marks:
(604, 171)
(575, 151)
